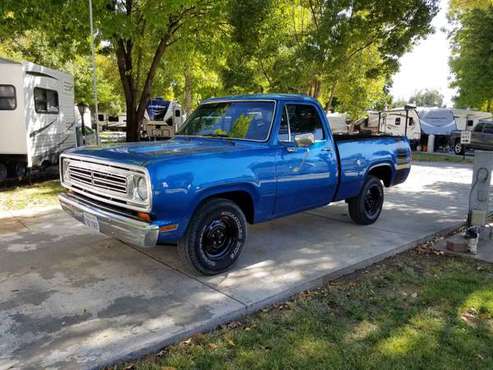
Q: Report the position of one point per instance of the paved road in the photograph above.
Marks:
(71, 298)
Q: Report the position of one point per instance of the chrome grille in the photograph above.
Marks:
(106, 181)
(98, 179)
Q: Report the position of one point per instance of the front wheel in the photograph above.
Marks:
(459, 148)
(215, 237)
(367, 206)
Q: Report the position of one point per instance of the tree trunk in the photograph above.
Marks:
(317, 88)
(187, 98)
(132, 130)
(328, 104)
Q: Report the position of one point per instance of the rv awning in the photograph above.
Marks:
(437, 121)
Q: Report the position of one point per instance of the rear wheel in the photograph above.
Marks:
(3, 172)
(367, 206)
(20, 170)
(458, 148)
(215, 237)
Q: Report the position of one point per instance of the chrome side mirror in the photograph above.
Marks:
(304, 140)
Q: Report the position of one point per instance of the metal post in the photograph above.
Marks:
(93, 52)
(82, 109)
(407, 117)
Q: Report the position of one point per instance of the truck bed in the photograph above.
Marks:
(360, 153)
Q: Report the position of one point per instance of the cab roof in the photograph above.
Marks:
(278, 97)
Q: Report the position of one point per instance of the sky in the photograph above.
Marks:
(426, 65)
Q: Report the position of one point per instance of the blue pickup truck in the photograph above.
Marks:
(236, 160)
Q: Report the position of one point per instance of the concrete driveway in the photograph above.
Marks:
(71, 298)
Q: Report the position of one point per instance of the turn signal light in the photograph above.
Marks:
(144, 216)
(167, 228)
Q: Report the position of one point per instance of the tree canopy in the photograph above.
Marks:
(427, 98)
(472, 56)
(342, 52)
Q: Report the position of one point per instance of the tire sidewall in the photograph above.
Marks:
(197, 231)
(372, 181)
(458, 145)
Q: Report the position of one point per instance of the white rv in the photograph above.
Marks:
(466, 119)
(37, 118)
(393, 122)
(338, 122)
(163, 118)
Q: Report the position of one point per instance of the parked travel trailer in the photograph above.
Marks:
(338, 122)
(393, 122)
(37, 118)
(466, 119)
(112, 122)
(163, 118)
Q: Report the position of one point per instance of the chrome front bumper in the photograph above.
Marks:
(118, 226)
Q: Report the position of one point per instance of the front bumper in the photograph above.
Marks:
(118, 226)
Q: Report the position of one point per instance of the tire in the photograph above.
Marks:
(3, 172)
(459, 148)
(367, 206)
(215, 237)
(20, 170)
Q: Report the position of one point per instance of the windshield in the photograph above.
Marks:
(249, 120)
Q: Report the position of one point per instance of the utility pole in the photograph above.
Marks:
(95, 92)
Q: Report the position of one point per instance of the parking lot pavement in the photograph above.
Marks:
(72, 298)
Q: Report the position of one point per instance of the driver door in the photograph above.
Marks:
(306, 176)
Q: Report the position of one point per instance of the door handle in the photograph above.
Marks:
(291, 149)
(327, 149)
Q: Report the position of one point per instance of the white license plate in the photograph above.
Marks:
(91, 221)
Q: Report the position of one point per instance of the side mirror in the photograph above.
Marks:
(304, 140)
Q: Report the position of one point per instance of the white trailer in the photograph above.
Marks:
(393, 122)
(338, 122)
(162, 119)
(37, 117)
(466, 119)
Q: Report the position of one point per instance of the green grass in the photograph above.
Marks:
(42, 194)
(413, 311)
(433, 157)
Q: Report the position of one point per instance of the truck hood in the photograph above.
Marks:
(144, 152)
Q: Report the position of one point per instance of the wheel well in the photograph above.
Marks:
(384, 173)
(242, 200)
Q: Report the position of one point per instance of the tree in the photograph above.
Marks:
(471, 61)
(344, 51)
(427, 98)
(140, 33)
(137, 33)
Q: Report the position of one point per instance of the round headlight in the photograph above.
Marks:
(142, 188)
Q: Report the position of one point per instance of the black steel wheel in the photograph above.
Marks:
(215, 237)
(367, 206)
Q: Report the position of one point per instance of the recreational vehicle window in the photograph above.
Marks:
(45, 101)
(177, 113)
(7, 97)
(398, 121)
(470, 123)
(411, 121)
